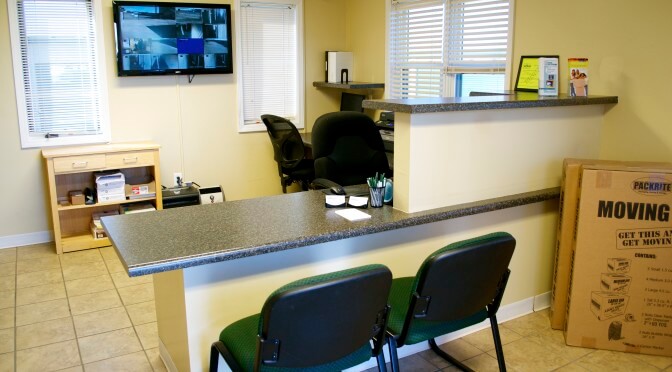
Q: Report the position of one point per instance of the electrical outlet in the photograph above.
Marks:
(177, 179)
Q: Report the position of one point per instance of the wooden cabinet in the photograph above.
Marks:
(73, 168)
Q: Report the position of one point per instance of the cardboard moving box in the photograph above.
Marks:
(623, 227)
(569, 203)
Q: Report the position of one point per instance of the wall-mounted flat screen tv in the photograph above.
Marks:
(160, 38)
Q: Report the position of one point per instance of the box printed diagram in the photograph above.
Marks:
(618, 265)
(615, 282)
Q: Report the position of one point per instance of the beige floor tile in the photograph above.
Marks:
(94, 302)
(148, 335)
(36, 278)
(486, 363)
(108, 253)
(483, 339)
(528, 354)
(49, 357)
(6, 340)
(136, 362)
(7, 362)
(7, 318)
(42, 311)
(7, 299)
(38, 264)
(155, 360)
(115, 266)
(8, 283)
(81, 257)
(7, 269)
(93, 284)
(555, 341)
(101, 321)
(7, 255)
(72, 369)
(40, 293)
(143, 312)
(571, 367)
(117, 343)
(137, 293)
(661, 362)
(529, 324)
(85, 270)
(605, 360)
(121, 279)
(30, 252)
(44, 333)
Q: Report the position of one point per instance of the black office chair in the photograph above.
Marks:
(321, 323)
(347, 148)
(457, 286)
(289, 152)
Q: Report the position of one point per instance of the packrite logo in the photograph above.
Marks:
(652, 186)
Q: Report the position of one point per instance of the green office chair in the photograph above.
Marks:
(457, 286)
(321, 323)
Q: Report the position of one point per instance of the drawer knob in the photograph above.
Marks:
(79, 164)
(130, 160)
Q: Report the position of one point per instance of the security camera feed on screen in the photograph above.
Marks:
(172, 38)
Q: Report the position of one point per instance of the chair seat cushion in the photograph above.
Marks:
(421, 330)
(240, 338)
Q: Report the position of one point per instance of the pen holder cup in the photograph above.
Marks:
(377, 195)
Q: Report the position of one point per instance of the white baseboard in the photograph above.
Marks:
(165, 358)
(506, 312)
(542, 301)
(12, 241)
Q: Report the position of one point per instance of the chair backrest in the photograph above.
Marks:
(324, 318)
(463, 278)
(288, 148)
(347, 148)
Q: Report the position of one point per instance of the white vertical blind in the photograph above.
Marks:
(60, 76)
(477, 35)
(269, 58)
(416, 48)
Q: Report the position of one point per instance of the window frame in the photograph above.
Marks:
(449, 79)
(300, 69)
(29, 140)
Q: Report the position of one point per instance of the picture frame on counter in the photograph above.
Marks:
(527, 79)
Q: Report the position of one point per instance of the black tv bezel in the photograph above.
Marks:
(187, 71)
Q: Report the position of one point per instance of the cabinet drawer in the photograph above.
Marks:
(130, 159)
(79, 163)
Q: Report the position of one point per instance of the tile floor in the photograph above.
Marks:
(80, 311)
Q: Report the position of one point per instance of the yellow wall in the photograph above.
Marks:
(629, 52)
(626, 42)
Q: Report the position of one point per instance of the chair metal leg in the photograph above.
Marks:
(446, 356)
(381, 362)
(498, 343)
(214, 357)
(394, 359)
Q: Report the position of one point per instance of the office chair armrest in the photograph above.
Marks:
(323, 183)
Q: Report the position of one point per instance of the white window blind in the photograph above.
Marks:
(269, 56)
(477, 37)
(60, 88)
(416, 48)
(434, 41)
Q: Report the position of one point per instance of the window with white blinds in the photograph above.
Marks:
(270, 55)
(441, 47)
(59, 75)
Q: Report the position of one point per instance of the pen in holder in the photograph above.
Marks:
(377, 195)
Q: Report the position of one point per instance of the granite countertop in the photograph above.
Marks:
(178, 238)
(483, 102)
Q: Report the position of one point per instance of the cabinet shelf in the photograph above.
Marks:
(349, 85)
(62, 208)
(82, 241)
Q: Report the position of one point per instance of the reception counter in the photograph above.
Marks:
(459, 172)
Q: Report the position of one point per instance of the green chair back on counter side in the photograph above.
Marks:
(328, 322)
(457, 286)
